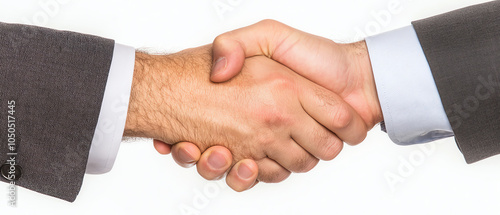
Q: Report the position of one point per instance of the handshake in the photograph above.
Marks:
(259, 103)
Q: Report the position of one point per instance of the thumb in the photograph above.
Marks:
(228, 57)
(230, 49)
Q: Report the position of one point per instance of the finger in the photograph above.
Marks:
(214, 163)
(231, 49)
(162, 147)
(271, 172)
(291, 156)
(316, 139)
(298, 50)
(225, 51)
(334, 113)
(185, 154)
(243, 175)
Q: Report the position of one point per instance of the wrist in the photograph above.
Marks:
(165, 96)
(142, 120)
(361, 58)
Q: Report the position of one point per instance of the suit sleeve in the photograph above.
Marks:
(463, 51)
(57, 80)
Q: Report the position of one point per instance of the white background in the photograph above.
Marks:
(433, 179)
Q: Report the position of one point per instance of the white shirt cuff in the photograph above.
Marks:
(111, 123)
(412, 109)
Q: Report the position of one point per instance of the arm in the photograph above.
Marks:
(325, 63)
(55, 84)
(57, 81)
(463, 51)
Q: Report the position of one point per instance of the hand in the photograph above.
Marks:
(344, 69)
(262, 116)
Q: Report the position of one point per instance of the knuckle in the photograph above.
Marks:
(275, 177)
(277, 119)
(341, 116)
(221, 38)
(359, 138)
(272, 117)
(326, 142)
(280, 177)
(269, 22)
(306, 164)
(272, 111)
(266, 138)
(282, 82)
(331, 149)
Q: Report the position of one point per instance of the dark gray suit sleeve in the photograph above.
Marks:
(463, 51)
(57, 81)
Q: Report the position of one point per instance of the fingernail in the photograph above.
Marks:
(244, 171)
(216, 160)
(219, 66)
(185, 156)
